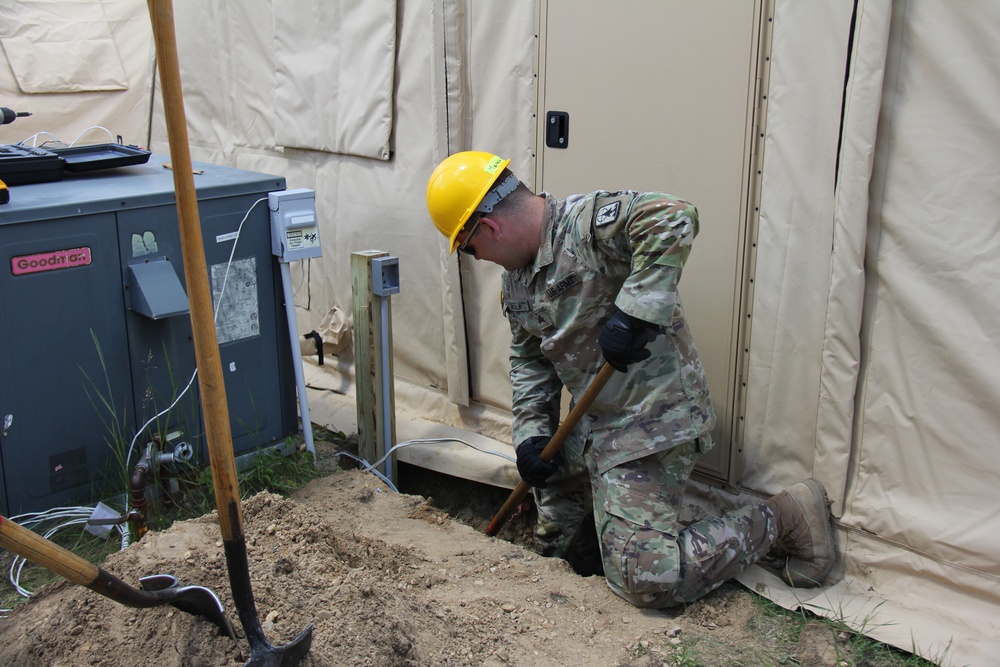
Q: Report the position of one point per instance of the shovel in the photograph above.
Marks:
(555, 444)
(206, 348)
(160, 589)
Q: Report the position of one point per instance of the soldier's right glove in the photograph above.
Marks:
(623, 340)
(532, 468)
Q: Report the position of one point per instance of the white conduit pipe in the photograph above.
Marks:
(293, 336)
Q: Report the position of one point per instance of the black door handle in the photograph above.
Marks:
(557, 129)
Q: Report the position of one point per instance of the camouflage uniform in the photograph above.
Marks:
(647, 426)
(565, 502)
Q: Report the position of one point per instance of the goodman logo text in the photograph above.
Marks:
(50, 261)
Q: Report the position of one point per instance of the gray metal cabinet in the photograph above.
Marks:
(95, 337)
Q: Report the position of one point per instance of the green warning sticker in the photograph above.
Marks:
(494, 164)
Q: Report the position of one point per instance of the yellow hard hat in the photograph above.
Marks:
(456, 188)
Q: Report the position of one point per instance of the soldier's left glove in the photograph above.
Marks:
(534, 471)
(623, 340)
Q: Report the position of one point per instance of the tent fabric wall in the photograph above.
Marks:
(370, 204)
(503, 111)
(892, 401)
(449, 99)
(809, 47)
(841, 356)
(926, 469)
(363, 203)
(334, 87)
(104, 100)
(60, 47)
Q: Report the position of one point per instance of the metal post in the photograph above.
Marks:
(293, 336)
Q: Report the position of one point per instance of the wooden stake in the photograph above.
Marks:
(369, 370)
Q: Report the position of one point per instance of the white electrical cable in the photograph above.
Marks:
(35, 136)
(302, 277)
(370, 467)
(74, 516)
(431, 441)
(92, 127)
(232, 253)
(222, 292)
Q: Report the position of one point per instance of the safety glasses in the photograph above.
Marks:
(464, 245)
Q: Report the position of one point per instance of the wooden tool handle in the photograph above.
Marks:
(554, 445)
(211, 382)
(35, 548)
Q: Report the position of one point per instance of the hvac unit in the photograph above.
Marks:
(95, 334)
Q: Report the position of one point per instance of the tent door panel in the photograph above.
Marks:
(660, 97)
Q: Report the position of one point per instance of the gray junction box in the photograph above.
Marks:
(95, 331)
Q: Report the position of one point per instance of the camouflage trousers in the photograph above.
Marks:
(650, 558)
(566, 501)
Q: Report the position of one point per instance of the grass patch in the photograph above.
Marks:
(270, 471)
(795, 632)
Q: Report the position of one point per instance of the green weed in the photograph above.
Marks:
(852, 646)
(277, 473)
(114, 421)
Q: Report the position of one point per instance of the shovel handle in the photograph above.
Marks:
(40, 551)
(35, 548)
(211, 382)
(554, 445)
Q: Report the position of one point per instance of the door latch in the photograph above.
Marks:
(557, 129)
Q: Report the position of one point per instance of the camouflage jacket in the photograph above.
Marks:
(600, 250)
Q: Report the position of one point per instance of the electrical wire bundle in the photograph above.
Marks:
(34, 138)
(370, 467)
(64, 518)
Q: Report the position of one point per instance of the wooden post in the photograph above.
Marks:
(372, 362)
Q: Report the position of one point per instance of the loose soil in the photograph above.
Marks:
(384, 579)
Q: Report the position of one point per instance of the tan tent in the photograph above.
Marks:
(844, 157)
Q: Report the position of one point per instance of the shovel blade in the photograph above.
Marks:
(195, 600)
(263, 654)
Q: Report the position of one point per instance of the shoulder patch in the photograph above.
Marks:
(607, 213)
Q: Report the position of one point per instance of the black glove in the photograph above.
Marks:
(533, 469)
(623, 340)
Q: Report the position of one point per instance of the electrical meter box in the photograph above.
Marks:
(294, 228)
(95, 330)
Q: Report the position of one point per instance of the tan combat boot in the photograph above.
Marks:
(805, 533)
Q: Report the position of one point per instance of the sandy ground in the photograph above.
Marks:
(384, 579)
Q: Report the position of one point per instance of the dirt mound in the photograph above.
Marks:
(385, 579)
